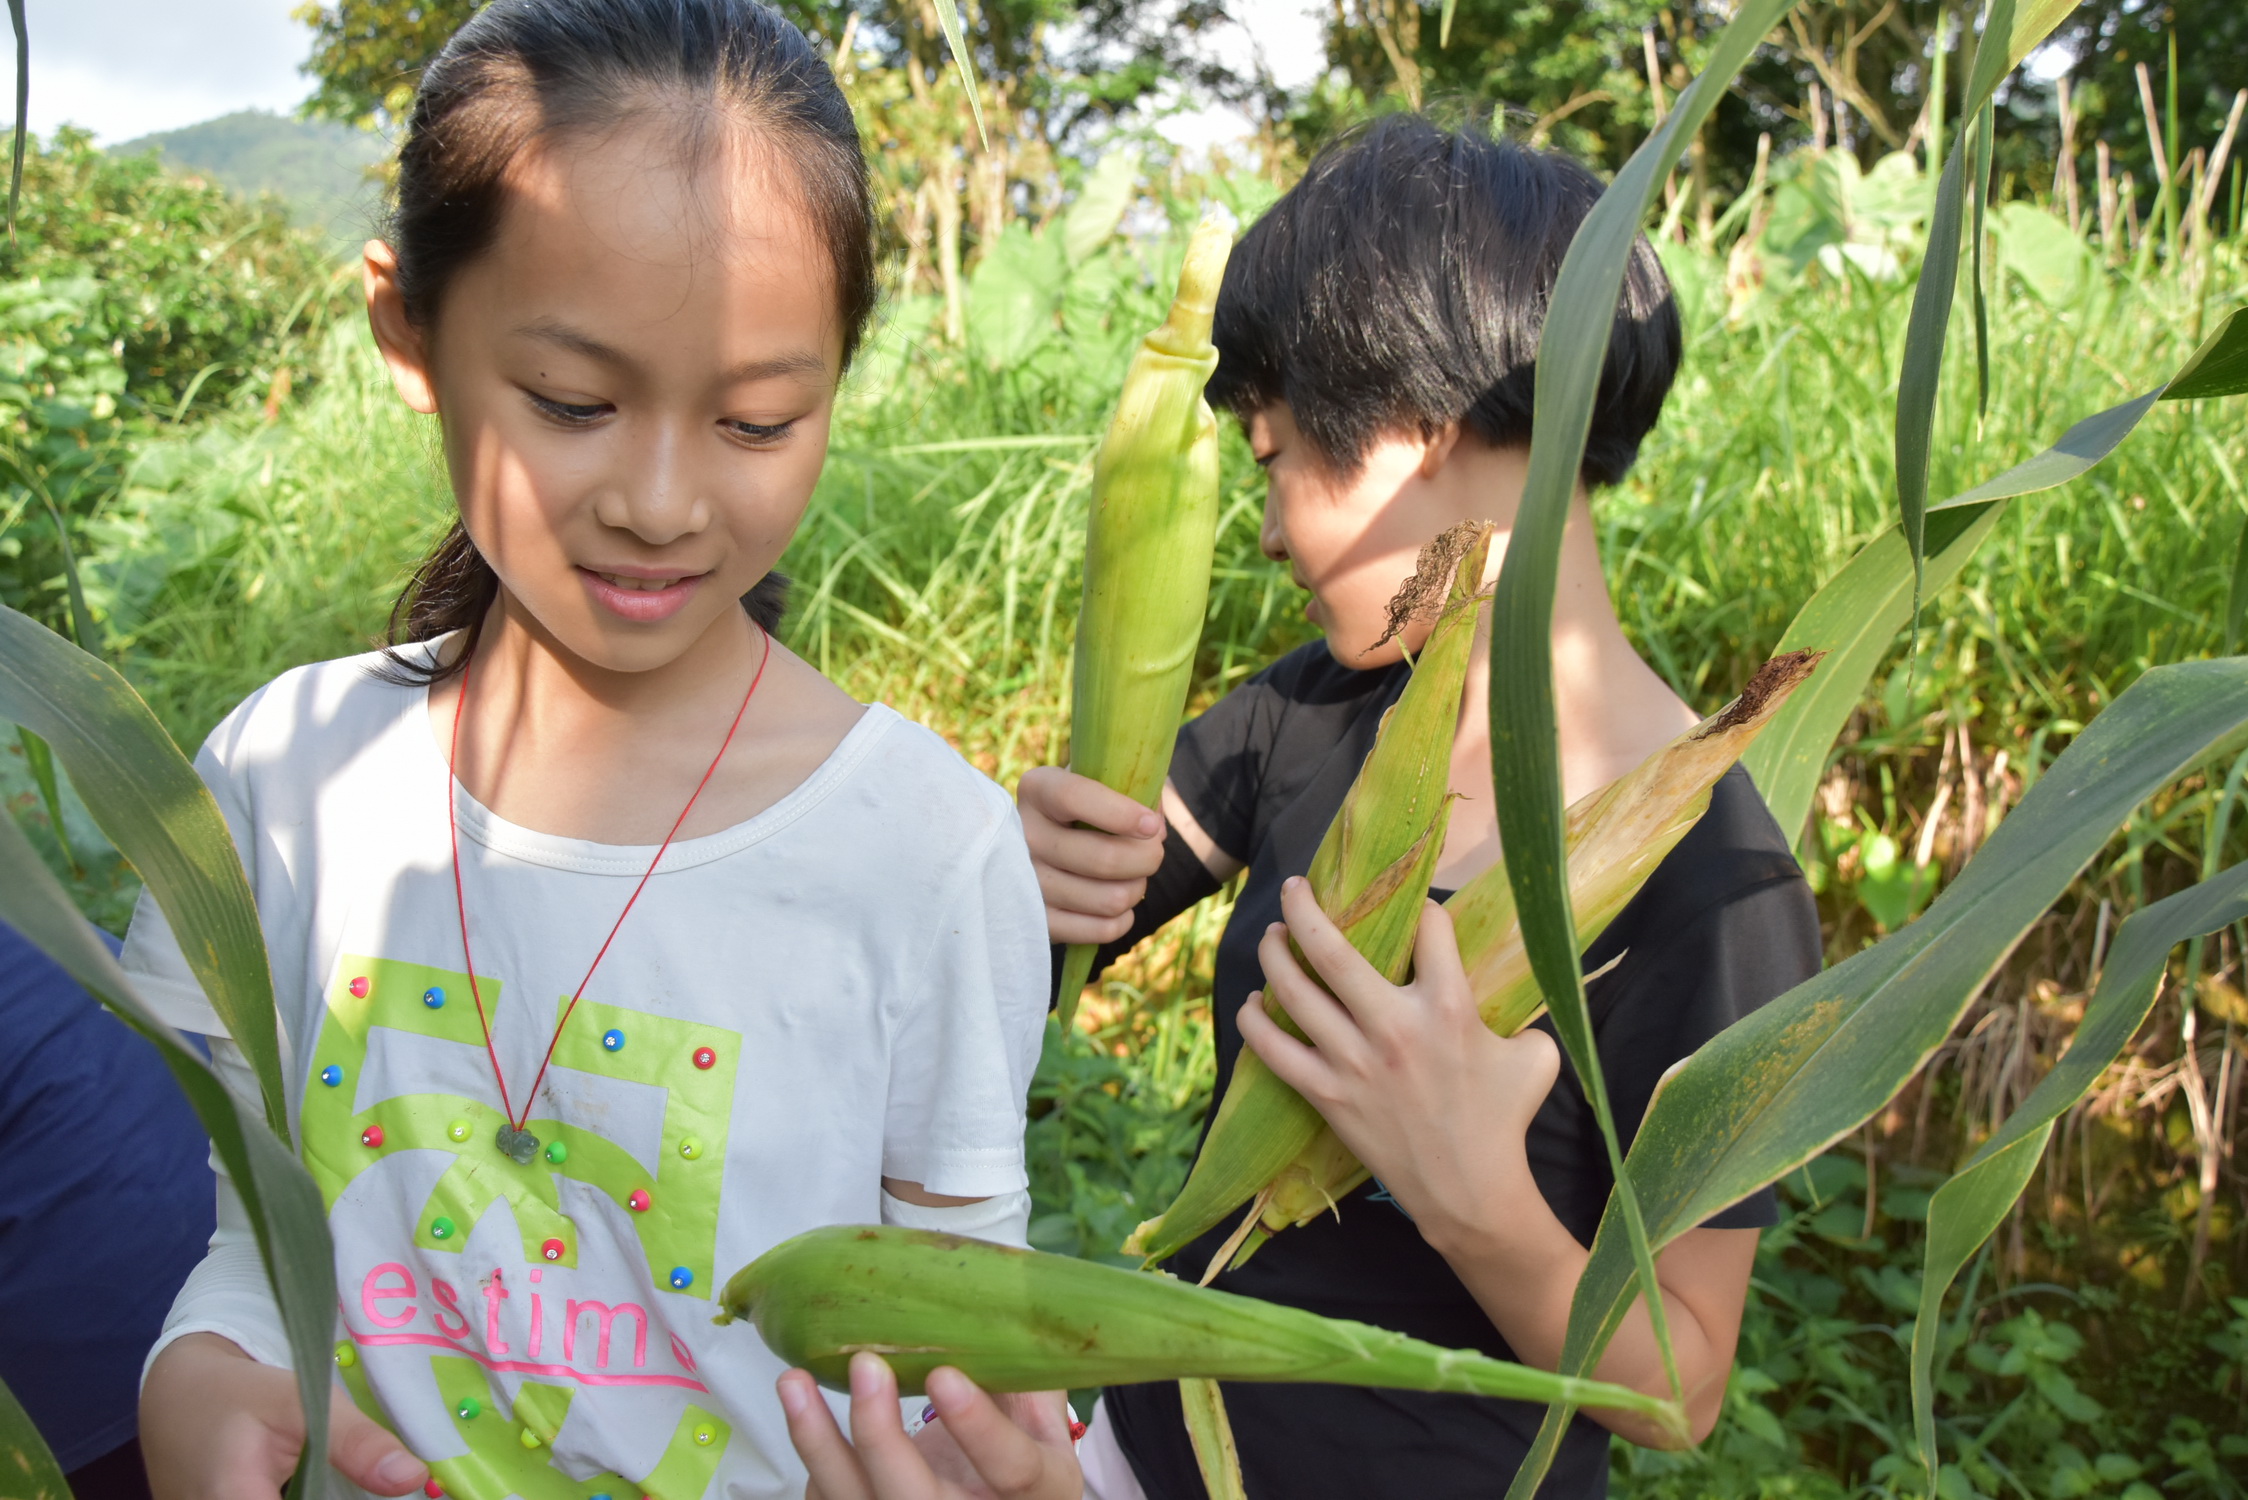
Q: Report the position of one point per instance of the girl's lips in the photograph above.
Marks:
(642, 606)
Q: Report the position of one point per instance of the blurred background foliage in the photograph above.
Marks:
(188, 399)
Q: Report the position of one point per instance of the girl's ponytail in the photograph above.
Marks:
(522, 71)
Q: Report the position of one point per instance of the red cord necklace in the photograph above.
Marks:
(515, 1142)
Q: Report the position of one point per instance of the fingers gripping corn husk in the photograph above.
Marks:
(1022, 1320)
(1148, 542)
(1615, 839)
(1371, 874)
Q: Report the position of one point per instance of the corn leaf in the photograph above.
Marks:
(41, 763)
(156, 810)
(948, 17)
(1967, 1208)
(28, 1470)
(2010, 32)
(1778, 1087)
(1525, 749)
(1857, 615)
(23, 110)
(284, 1206)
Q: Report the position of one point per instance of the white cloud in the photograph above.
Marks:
(123, 68)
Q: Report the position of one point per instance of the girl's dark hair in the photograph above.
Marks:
(525, 71)
(1403, 284)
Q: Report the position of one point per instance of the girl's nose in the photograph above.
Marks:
(657, 496)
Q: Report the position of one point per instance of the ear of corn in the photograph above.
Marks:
(1616, 838)
(1370, 874)
(1022, 1320)
(1148, 543)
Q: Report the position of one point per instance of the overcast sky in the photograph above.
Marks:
(123, 68)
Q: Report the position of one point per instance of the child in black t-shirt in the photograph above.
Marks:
(1376, 336)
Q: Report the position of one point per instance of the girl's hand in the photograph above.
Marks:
(1012, 1448)
(1091, 876)
(1421, 1091)
(217, 1425)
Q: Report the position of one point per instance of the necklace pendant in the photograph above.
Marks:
(518, 1146)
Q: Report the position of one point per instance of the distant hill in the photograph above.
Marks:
(317, 167)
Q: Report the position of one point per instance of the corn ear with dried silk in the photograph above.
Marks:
(1023, 1320)
(1615, 839)
(1148, 544)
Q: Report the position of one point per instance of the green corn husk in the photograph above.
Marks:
(1023, 1320)
(1370, 874)
(1616, 838)
(1148, 544)
(1210, 1431)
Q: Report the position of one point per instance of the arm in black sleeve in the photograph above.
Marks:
(1177, 884)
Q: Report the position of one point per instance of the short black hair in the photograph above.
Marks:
(1402, 286)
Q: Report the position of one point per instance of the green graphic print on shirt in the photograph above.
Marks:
(672, 1212)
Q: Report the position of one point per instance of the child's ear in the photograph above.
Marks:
(1441, 442)
(403, 347)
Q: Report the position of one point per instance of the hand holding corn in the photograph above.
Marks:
(1432, 1101)
(1013, 1447)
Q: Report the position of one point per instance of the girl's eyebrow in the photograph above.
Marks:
(554, 331)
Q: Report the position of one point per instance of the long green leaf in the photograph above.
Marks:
(1966, 1209)
(1525, 747)
(2010, 32)
(1856, 616)
(284, 1205)
(41, 763)
(1778, 1087)
(23, 109)
(28, 1470)
(156, 810)
(948, 17)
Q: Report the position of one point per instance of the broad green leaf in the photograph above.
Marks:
(28, 1470)
(146, 797)
(1966, 1209)
(1014, 294)
(1525, 748)
(284, 1205)
(1101, 204)
(948, 17)
(1778, 1087)
(1856, 616)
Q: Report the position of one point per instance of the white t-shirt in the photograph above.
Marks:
(850, 985)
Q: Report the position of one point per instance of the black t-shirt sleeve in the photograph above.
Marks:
(1219, 766)
(1707, 951)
